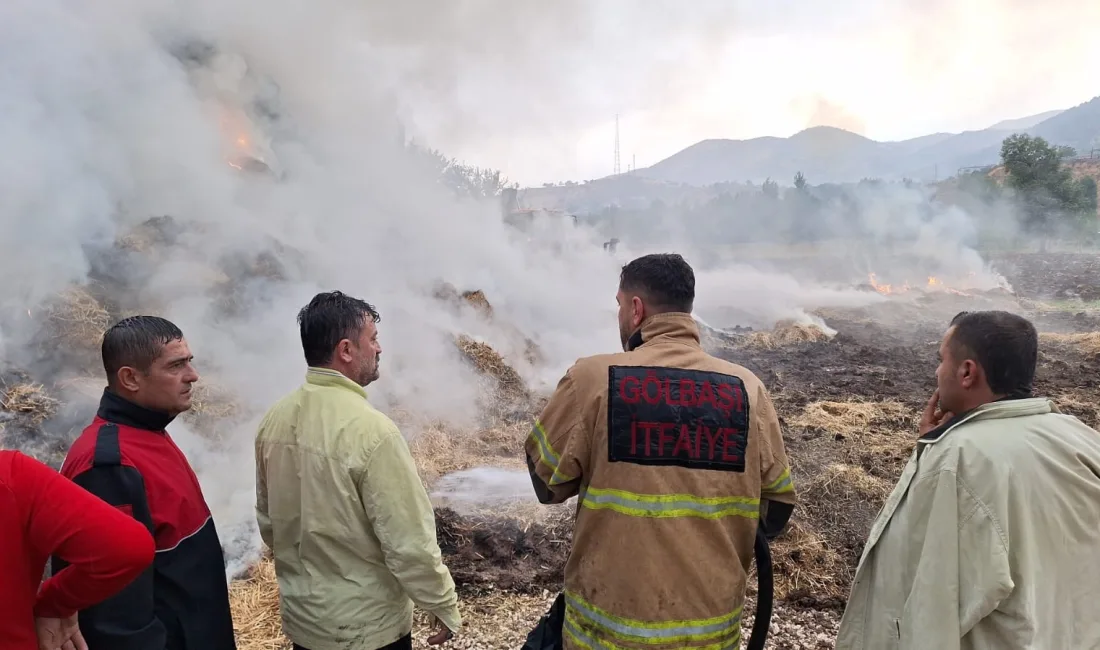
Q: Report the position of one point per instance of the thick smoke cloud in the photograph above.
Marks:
(118, 111)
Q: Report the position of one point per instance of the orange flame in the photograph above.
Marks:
(933, 283)
(884, 289)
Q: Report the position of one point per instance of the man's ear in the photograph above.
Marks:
(637, 310)
(343, 351)
(969, 374)
(127, 379)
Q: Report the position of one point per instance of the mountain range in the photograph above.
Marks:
(830, 155)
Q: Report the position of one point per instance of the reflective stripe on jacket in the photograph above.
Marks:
(671, 452)
(990, 540)
(339, 502)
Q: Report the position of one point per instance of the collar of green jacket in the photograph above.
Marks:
(673, 325)
(333, 378)
(1006, 408)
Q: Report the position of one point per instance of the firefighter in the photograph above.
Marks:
(677, 458)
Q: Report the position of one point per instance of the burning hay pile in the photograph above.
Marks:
(439, 449)
(449, 294)
(76, 319)
(785, 334)
(510, 399)
(31, 401)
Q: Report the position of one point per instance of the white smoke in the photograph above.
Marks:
(117, 111)
(478, 487)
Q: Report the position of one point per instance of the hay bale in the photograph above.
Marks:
(1086, 342)
(31, 401)
(77, 319)
(448, 293)
(784, 335)
(479, 302)
(257, 622)
(488, 362)
(212, 400)
(438, 449)
(154, 232)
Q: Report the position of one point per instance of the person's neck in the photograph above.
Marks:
(121, 407)
(342, 369)
(979, 400)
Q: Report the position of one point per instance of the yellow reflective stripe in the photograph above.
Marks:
(547, 455)
(669, 505)
(780, 485)
(583, 640)
(584, 615)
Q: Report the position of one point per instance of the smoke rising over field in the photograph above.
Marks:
(269, 136)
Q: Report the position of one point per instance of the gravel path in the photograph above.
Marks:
(502, 621)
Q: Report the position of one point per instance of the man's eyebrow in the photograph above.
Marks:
(176, 360)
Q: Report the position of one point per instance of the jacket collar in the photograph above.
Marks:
(118, 410)
(673, 326)
(1003, 408)
(333, 378)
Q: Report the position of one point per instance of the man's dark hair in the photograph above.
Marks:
(665, 280)
(1005, 345)
(136, 341)
(328, 319)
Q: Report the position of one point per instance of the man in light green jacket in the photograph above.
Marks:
(339, 501)
(991, 539)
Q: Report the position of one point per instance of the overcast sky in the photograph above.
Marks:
(532, 88)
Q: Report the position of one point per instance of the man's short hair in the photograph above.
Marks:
(328, 319)
(665, 280)
(1005, 345)
(136, 342)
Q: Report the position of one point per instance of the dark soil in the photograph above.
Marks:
(485, 554)
(1052, 275)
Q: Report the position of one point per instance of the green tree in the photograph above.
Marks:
(1045, 188)
(800, 182)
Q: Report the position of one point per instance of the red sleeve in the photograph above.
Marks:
(105, 548)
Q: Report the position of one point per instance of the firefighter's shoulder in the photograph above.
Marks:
(590, 373)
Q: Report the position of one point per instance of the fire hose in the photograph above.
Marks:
(765, 591)
(547, 635)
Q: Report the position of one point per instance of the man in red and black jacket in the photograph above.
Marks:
(128, 459)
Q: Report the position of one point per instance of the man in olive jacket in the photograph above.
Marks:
(991, 539)
(339, 502)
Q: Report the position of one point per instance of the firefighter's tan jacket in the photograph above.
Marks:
(340, 504)
(670, 451)
(990, 541)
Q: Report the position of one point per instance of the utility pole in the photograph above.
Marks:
(617, 169)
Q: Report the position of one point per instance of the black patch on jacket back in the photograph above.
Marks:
(671, 416)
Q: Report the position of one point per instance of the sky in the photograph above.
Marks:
(536, 92)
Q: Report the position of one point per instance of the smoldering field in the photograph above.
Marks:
(205, 165)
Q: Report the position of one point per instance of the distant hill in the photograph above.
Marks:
(832, 155)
